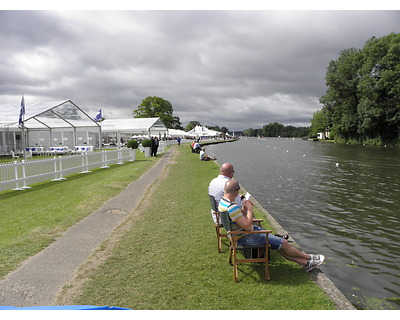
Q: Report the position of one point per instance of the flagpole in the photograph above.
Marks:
(23, 126)
(23, 137)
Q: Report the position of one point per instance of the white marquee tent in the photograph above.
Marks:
(126, 128)
(143, 126)
(178, 133)
(46, 124)
(200, 131)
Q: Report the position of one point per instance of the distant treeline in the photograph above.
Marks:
(277, 130)
(362, 101)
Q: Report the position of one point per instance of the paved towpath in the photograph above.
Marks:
(40, 278)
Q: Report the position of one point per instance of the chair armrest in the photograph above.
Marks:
(258, 220)
(249, 232)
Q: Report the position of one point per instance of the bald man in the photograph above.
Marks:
(216, 187)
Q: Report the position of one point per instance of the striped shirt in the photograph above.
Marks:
(234, 211)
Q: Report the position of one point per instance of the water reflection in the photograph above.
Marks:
(349, 212)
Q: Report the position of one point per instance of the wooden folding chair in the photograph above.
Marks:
(218, 225)
(234, 247)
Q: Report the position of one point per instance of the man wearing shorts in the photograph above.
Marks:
(242, 219)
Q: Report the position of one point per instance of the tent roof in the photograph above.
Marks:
(203, 131)
(133, 126)
(177, 133)
(46, 115)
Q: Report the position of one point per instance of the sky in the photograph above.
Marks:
(235, 68)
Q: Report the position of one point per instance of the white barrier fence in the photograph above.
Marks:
(19, 175)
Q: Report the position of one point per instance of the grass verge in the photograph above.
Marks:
(165, 257)
(30, 220)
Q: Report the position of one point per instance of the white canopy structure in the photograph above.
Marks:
(140, 126)
(46, 124)
(178, 133)
(126, 128)
(200, 131)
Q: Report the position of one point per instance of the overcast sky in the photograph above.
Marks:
(239, 69)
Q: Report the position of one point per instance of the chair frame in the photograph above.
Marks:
(218, 224)
(233, 237)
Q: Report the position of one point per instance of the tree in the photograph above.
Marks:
(224, 129)
(319, 122)
(250, 132)
(176, 124)
(215, 128)
(156, 107)
(379, 107)
(191, 125)
(341, 99)
(362, 100)
(272, 130)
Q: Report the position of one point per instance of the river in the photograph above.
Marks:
(336, 199)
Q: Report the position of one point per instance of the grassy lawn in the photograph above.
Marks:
(31, 219)
(165, 256)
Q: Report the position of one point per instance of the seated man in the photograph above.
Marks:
(192, 146)
(242, 219)
(204, 156)
(216, 187)
(196, 147)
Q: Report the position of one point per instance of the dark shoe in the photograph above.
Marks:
(285, 236)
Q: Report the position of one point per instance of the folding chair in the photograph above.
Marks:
(218, 225)
(234, 247)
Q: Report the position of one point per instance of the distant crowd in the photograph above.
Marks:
(198, 148)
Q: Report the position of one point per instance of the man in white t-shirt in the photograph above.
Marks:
(216, 187)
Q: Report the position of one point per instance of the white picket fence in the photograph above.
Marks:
(19, 175)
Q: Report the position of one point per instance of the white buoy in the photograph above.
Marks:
(337, 164)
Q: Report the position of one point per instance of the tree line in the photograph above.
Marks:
(277, 130)
(159, 107)
(362, 100)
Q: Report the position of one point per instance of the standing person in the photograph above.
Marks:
(242, 220)
(179, 141)
(154, 146)
(156, 143)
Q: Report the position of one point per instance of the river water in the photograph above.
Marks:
(335, 199)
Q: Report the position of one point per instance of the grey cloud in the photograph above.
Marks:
(238, 69)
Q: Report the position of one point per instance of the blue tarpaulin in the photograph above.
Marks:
(78, 307)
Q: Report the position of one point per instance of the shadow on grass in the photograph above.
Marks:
(286, 272)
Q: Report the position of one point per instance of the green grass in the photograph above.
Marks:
(30, 220)
(165, 257)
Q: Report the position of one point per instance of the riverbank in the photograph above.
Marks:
(165, 257)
